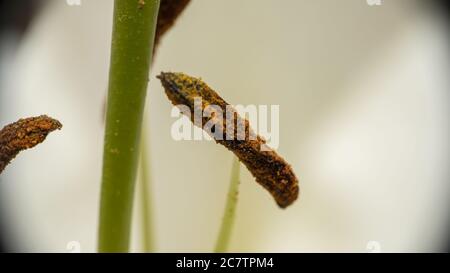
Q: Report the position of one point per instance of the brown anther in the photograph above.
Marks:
(269, 169)
(24, 134)
(169, 11)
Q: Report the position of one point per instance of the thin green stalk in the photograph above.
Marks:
(133, 36)
(229, 214)
(146, 204)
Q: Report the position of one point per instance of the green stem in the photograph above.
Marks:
(133, 36)
(146, 206)
(226, 228)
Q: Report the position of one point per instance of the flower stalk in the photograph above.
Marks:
(134, 26)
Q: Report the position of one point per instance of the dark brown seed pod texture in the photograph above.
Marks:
(269, 169)
(24, 134)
